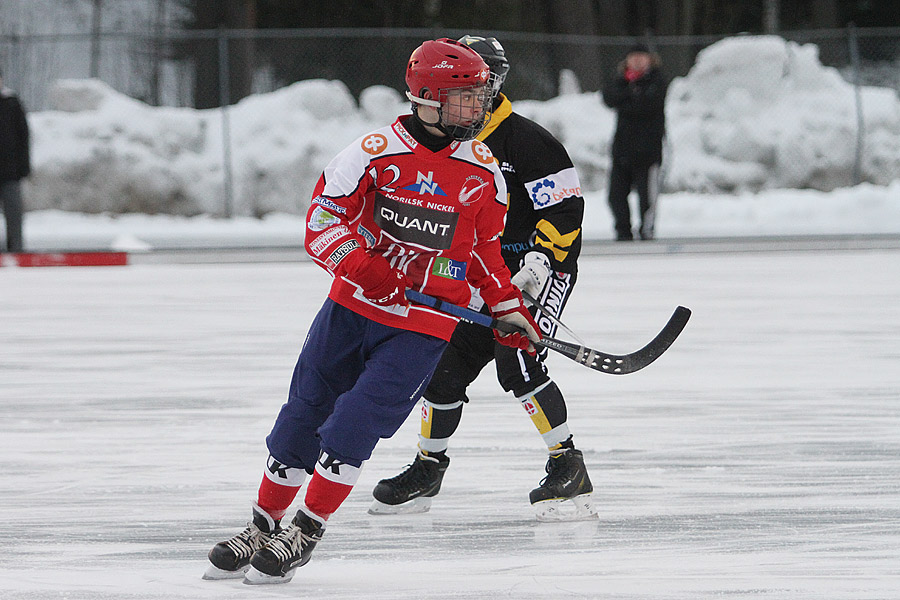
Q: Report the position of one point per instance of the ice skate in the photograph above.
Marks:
(292, 548)
(231, 559)
(565, 493)
(412, 490)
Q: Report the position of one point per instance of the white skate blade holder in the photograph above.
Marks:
(254, 577)
(416, 505)
(214, 573)
(579, 508)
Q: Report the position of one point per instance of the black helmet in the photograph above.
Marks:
(493, 54)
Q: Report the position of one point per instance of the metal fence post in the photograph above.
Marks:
(853, 41)
(228, 180)
(96, 24)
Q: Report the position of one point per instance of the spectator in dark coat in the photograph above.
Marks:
(15, 163)
(638, 94)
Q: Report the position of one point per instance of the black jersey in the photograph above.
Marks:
(545, 207)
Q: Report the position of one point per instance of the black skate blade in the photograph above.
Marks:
(254, 577)
(414, 506)
(214, 573)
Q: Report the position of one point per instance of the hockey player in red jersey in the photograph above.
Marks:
(540, 243)
(416, 205)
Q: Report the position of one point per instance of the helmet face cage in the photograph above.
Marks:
(464, 110)
(495, 81)
(493, 54)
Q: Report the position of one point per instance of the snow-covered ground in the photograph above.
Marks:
(758, 458)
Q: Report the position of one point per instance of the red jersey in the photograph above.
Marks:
(436, 216)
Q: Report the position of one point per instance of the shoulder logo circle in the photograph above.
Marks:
(482, 152)
(374, 144)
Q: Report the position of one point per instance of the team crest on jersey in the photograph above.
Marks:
(472, 190)
(374, 143)
(425, 185)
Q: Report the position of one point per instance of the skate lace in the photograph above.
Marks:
(248, 541)
(414, 477)
(557, 469)
(290, 542)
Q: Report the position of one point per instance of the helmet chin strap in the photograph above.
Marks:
(433, 104)
(423, 101)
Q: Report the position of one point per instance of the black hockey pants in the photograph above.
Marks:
(626, 175)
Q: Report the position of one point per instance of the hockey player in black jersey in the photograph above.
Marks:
(540, 244)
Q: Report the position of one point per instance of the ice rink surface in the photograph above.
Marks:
(758, 458)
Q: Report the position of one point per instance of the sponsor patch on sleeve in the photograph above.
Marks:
(329, 204)
(339, 253)
(370, 238)
(320, 219)
(554, 188)
(326, 238)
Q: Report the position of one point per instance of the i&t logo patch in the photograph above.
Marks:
(448, 268)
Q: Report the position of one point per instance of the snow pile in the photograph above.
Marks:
(101, 151)
(754, 113)
(764, 113)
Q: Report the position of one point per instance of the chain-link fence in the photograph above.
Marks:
(186, 68)
(208, 69)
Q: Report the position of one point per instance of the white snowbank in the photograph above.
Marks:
(760, 112)
(102, 151)
(754, 113)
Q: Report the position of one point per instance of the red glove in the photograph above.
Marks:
(382, 284)
(514, 311)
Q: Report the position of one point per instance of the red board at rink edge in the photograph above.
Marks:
(64, 259)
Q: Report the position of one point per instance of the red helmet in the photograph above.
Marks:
(442, 66)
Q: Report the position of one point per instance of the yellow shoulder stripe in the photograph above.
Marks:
(496, 117)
